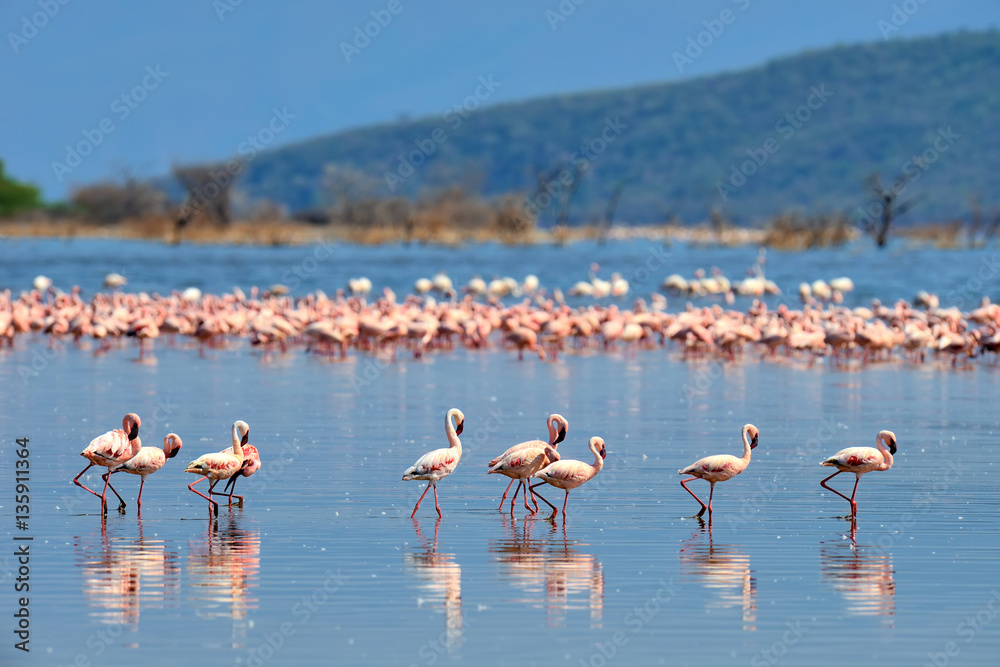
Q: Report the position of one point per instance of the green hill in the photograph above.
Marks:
(874, 107)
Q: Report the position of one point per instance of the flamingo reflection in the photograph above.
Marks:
(723, 569)
(549, 573)
(223, 570)
(126, 574)
(440, 579)
(862, 574)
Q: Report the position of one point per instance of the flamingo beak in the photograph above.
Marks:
(753, 443)
(562, 436)
(892, 447)
(173, 453)
(246, 438)
(604, 453)
(134, 433)
(458, 431)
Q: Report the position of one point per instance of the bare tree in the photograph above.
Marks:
(208, 191)
(111, 202)
(890, 207)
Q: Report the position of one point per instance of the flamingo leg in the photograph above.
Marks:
(138, 501)
(76, 480)
(703, 505)
(711, 493)
(436, 506)
(417, 506)
(564, 504)
(502, 500)
(211, 503)
(107, 485)
(514, 499)
(854, 505)
(535, 494)
(851, 499)
(231, 486)
(528, 493)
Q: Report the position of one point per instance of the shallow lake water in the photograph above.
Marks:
(324, 561)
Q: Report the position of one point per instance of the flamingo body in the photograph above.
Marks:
(148, 460)
(719, 468)
(567, 474)
(434, 466)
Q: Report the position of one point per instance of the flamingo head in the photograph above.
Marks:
(751, 434)
(241, 432)
(171, 445)
(131, 424)
(558, 427)
(889, 438)
(459, 420)
(597, 445)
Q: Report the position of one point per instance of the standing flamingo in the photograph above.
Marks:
(438, 464)
(568, 474)
(148, 460)
(523, 460)
(252, 458)
(719, 468)
(109, 450)
(860, 460)
(220, 465)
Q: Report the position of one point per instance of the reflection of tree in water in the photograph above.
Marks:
(223, 569)
(549, 572)
(725, 570)
(126, 574)
(440, 579)
(863, 575)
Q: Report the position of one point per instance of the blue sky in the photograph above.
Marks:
(199, 76)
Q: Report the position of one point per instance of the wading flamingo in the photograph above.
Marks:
(438, 464)
(860, 460)
(568, 474)
(109, 450)
(523, 460)
(719, 468)
(220, 465)
(251, 465)
(149, 460)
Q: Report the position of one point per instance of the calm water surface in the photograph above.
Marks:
(325, 562)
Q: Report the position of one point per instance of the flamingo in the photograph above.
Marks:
(220, 465)
(719, 468)
(109, 450)
(568, 474)
(252, 465)
(523, 460)
(438, 464)
(860, 460)
(148, 460)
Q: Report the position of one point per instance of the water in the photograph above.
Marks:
(324, 560)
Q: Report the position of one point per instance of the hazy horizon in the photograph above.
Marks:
(199, 77)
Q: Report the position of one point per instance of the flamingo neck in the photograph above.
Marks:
(449, 428)
(884, 448)
(136, 445)
(237, 444)
(746, 446)
(598, 461)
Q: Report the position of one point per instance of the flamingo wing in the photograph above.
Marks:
(855, 457)
(439, 462)
(148, 460)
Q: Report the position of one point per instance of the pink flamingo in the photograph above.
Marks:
(438, 464)
(523, 460)
(252, 465)
(220, 465)
(568, 474)
(719, 468)
(860, 460)
(148, 460)
(109, 450)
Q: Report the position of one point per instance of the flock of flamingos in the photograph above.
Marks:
(121, 450)
(534, 320)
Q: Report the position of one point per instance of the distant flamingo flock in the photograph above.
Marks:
(121, 450)
(439, 317)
